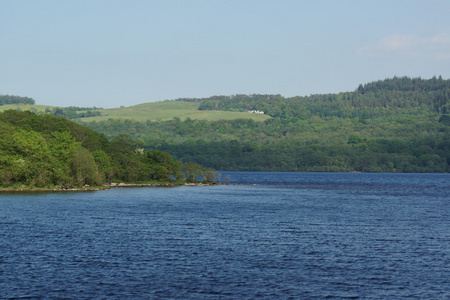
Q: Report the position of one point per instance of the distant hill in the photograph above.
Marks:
(152, 111)
(392, 125)
(167, 110)
(378, 98)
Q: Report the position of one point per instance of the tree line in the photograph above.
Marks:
(74, 112)
(10, 99)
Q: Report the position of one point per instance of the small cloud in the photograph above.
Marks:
(397, 42)
(409, 46)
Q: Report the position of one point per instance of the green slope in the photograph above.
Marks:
(153, 111)
(393, 125)
(167, 110)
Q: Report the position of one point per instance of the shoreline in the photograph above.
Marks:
(46, 190)
(99, 188)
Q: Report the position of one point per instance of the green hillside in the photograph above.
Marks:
(152, 111)
(393, 125)
(167, 110)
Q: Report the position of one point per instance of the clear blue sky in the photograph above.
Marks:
(108, 53)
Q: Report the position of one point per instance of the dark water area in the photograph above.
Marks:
(272, 236)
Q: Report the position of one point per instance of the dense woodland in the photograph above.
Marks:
(48, 151)
(376, 99)
(393, 125)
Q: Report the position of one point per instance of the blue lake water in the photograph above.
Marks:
(273, 236)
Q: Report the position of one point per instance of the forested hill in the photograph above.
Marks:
(378, 98)
(393, 125)
(48, 151)
(8, 99)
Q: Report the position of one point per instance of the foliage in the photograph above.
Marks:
(394, 125)
(44, 150)
(73, 112)
(376, 99)
(8, 99)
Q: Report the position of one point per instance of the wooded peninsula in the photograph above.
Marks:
(393, 125)
(44, 151)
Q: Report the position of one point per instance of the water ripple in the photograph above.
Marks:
(329, 240)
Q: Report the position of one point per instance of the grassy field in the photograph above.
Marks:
(154, 111)
(167, 110)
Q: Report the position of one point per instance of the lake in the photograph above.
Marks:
(271, 236)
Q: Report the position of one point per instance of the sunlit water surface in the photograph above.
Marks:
(276, 236)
